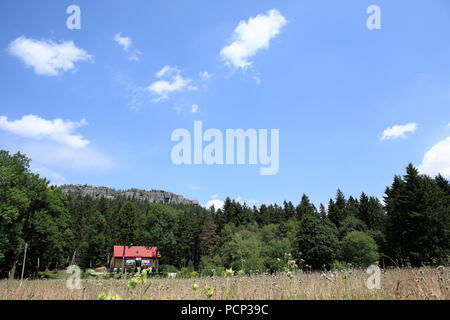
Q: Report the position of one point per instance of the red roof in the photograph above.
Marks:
(137, 252)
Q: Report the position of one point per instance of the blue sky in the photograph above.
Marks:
(353, 106)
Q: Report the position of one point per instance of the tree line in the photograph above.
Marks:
(410, 227)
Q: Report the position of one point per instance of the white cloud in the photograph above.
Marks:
(135, 55)
(218, 204)
(167, 71)
(437, 159)
(125, 42)
(192, 187)
(54, 177)
(252, 36)
(174, 83)
(47, 57)
(204, 75)
(34, 127)
(58, 158)
(65, 159)
(399, 131)
(194, 108)
(249, 202)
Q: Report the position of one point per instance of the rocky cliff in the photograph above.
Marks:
(152, 195)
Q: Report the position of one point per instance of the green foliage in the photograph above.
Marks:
(186, 272)
(418, 219)
(109, 296)
(337, 210)
(349, 224)
(317, 241)
(339, 265)
(127, 224)
(32, 213)
(413, 227)
(359, 249)
(209, 292)
(157, 228)
(166, 268)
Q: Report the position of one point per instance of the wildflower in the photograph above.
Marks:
(109, 296)
(229, 272)
(195, 287)
(209, 292)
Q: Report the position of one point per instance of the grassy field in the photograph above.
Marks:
(423, 283)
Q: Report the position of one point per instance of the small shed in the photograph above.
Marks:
(144, 257)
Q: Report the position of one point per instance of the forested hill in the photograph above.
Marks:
(138, 194)
(410, 227)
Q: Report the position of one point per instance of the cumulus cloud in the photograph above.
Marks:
(250, 37)
(437, 159)
(34, 127)
(47, 57)
(194, 108)
(172, 82)
(399, 131)
(125, 42)
(218, 204)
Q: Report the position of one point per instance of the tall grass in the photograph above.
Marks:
(408, 283)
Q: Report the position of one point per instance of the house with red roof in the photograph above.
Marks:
(144, 257)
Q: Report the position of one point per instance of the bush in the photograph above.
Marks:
(359, 249)
(167, 268)
(210, 270)
(339, 266)
(350, 224)
(254, 265)
(186, 272)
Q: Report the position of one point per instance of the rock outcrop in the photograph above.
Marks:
(152, 195)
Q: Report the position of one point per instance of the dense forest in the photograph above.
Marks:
(411, 227)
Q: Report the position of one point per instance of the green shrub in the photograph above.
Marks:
(186, 272)
(359, 249)
(318, 241)
(167, 268)
(338, 265)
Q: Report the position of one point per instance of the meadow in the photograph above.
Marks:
(407, 284)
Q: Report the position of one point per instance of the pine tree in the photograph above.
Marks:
(305, 207)
(371, 212)
(208, 235)
(418, 219)
(337, 210)
(127, 223)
